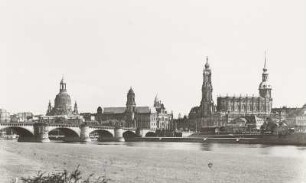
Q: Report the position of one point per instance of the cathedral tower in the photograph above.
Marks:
(264, 87)
(207, 104)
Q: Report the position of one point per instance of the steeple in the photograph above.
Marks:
(265, 65)
(206, 64)
(264, 87)
(265, 70)
(207, 100)
(156, 102)
(49, 108)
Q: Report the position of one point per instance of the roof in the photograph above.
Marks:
(113, 110)
(143, 109)
(121, 110)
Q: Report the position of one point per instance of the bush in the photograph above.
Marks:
(64, 177)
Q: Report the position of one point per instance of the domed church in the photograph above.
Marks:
(62, 103)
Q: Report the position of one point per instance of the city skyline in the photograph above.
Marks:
(158, 51)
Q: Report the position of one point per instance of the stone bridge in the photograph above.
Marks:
(39, 132)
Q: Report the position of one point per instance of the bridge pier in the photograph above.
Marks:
(118, 134)
(84, 135)
(41, 132)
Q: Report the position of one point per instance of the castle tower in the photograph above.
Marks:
(264, 87)
(207, 104)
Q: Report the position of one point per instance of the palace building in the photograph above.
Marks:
(230, 109)
(143, 117)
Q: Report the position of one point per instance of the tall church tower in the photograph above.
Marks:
(130, 108)
(207, 103)
(264, 87)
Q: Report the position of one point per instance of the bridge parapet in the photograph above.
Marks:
(16, 124)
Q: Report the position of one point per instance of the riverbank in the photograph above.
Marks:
(137, 162)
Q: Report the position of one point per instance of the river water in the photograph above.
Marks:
(157, 161)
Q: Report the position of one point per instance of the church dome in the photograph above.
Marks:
(62, 102)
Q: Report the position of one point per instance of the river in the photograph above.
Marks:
(157, 161)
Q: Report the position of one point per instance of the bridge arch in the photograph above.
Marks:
(129, 134)
(24, 133)
(70, 134)
(101, 135)
(150, 134)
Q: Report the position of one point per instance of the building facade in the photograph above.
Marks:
(143, 117)
(22, 117)
(4, 116)
(244, 106)
(293, 117)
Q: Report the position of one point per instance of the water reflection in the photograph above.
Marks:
(206, 147)
(243, 149)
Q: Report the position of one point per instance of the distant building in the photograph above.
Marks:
(22, 117)
(4, 116)
(293, 117)
(230, 110)
(143, 117)
(163, 117)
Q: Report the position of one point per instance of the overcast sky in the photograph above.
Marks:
(104, 47)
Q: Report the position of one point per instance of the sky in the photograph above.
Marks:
(102, 48)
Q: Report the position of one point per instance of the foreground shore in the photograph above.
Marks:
(157, 162)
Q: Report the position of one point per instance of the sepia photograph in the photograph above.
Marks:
(153, 91)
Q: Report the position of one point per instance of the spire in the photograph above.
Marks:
(157, 102)
(265, 65)
(206, 64)
(156, 97)
(49, 108)
(75, 111)
(62, 80)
